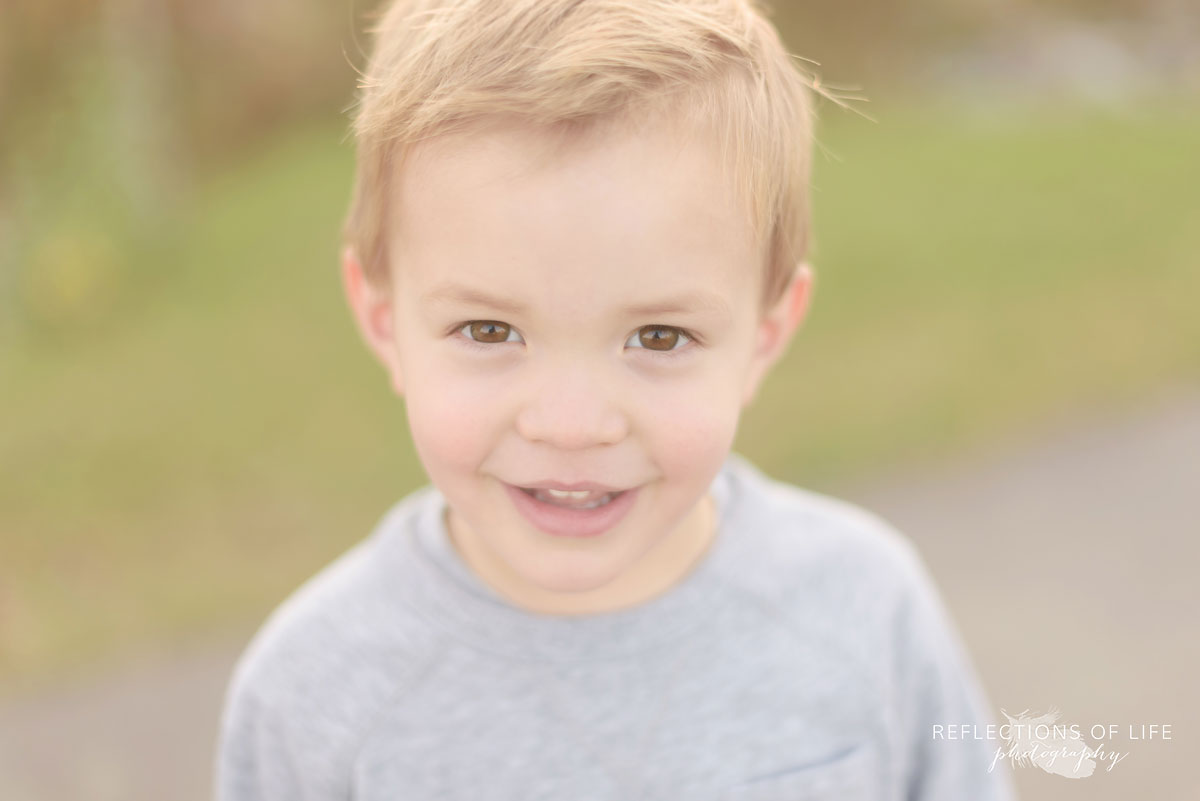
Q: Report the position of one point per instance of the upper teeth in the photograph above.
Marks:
(574, 495)
(575, 499)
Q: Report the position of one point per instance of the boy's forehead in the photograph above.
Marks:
(517, 184)
(507, 151)
(546, 145)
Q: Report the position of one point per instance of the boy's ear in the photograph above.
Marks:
(776, 328)
(372, 311)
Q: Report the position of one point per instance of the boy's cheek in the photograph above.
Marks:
(450, 423)
(458, 422)
(683, 438)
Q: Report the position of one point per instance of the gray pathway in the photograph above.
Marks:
(1068, 561)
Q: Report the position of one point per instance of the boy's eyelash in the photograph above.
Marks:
(473, 343)
(692, 337)
(477, 345)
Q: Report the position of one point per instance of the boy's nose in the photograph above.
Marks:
(569, 409)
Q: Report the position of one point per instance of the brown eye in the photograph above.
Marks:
(488, 331)
(659, 337)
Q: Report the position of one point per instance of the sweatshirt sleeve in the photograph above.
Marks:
(253, 761)
(943, 689)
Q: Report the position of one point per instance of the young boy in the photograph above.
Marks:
(576, 246)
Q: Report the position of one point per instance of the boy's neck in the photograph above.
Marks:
(664, 566)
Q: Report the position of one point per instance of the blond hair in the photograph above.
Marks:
(440, 66)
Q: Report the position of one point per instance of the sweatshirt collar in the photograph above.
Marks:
(430, 577)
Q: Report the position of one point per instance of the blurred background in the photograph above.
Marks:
(1003, 355)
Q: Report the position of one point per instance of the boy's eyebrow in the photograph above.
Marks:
(452, 293)
(687, 302)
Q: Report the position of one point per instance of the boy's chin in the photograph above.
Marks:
(571, 574)
(567, 586)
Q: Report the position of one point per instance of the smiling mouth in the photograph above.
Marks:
(587, 512)
(572, 499)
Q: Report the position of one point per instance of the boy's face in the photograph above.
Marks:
(592, 318)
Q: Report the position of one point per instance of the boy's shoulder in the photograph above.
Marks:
(830, 569)
(321, 669)
(793, 533)
(345, 623)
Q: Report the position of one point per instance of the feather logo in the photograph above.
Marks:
(1051, 746)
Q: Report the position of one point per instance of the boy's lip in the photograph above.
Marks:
(565, 521)
(573, 486)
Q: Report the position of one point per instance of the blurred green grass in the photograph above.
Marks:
(178, 459)
(982, 272)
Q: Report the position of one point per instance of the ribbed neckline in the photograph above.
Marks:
(422, 565)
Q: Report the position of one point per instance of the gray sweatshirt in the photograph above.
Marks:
(808, 656)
